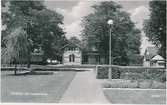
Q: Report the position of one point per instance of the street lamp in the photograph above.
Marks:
(110, 23)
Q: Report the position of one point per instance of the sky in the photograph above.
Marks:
(74, 10)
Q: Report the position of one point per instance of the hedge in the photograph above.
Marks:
(132, 72)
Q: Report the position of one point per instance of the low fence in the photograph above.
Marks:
(131, 72)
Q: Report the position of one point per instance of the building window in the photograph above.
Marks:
(72, 58)
(161, 64)
(147, 59)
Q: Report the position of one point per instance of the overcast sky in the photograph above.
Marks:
(74, 10)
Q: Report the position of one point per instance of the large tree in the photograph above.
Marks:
(41, 25)
(47, 33)
(125, 36)
(155, 26)
(16, 16)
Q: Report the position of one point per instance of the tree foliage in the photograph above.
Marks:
(125, 36)
(155, 26)
(75, 40)
(41, 25)
(16, 44)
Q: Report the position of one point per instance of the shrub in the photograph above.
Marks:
(103, 73)
(163, 78)
(106, 85)
(133, 73)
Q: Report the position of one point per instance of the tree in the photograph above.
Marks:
(41, 25)
(75, 40)
(48, 33)
(155, 26)
(20, 15)
(16, 49)
(125, 36)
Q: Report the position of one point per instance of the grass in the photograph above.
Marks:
(136, 96)
(122, 83)
(54, 85)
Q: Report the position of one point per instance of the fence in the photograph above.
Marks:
(131, 72)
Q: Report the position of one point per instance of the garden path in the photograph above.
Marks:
(84, 88)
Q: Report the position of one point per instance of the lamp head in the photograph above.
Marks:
(110, 22)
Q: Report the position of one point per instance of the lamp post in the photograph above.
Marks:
(110, 23)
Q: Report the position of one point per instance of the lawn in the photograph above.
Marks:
(125, 96)
(35, 88)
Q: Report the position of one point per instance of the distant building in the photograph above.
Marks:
(72, 54)
(92, 56)
(157, 61)
(75, 55)
(37, 56)
(151, 58)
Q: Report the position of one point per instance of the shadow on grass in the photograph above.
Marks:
(31, 73)
(61, 70)
(42, 72)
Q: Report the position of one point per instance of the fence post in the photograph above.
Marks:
(96, 71)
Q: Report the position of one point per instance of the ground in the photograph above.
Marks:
(34, 88)
(84, 88)
(71, 87)
(128, 96)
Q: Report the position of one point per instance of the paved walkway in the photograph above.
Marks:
(84, 89)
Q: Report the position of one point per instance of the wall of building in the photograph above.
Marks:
(146, 63)
(78, 57)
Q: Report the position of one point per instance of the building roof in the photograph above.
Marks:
(157, 58)
(71, 44)
(37, 54)
(150, 52)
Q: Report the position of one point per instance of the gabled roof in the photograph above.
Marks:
(71, 44)
(157, 58)
(150, 52)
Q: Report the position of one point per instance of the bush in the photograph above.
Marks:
(106, 85)
(163, 78)
(103, 73)
(133, 73)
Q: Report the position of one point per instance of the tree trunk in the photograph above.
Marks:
(29, 61)
(15, 69)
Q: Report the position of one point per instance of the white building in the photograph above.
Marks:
(157, 61)
(72, 55)
(151, 58)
